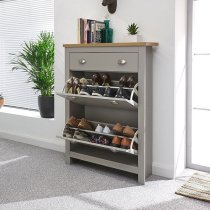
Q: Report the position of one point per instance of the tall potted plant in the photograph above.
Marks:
(37, 60)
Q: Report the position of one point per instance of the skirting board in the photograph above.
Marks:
(56, 145)
(163, 170)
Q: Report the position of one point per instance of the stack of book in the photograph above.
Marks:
(89, 31)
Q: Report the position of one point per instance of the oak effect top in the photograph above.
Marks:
(123, 44)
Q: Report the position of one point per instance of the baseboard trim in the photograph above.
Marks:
(39, 142)
(57, 145)
(162, 170)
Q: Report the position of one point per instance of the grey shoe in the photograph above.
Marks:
(80, 135)
(68, 132)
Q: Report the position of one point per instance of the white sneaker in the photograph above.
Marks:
(99, 129)
(106, 130)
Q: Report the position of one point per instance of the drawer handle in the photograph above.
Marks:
(82, 61)
(114, 102)
(122, 61)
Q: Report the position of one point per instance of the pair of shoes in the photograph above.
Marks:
(105, 80)
(100, 129)
(127, 131)
(73, 85)
(124, 143)
(68, 132)
(100, 140)
(80, 135)
(86, 125)
(127, 82)
(73, 122)
(83, 123)
(120, 93)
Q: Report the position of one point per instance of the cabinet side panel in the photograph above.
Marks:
(148, 112)
(141, 114)
(67, 108)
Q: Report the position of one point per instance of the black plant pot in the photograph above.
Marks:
(46, 106)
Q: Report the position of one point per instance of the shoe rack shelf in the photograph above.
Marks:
(118, 103)
(110, 148)
(117, 60)
(109, 135)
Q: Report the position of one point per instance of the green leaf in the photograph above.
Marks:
(133, 29)
(36, 59)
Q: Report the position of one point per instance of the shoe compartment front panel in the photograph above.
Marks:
(103, 85)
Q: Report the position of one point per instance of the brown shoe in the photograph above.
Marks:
(76, 86)
(96, 79)
(116, 141)
(84, 124)
(125, 143)
(128, 131)
(117, 129)
(69, 85)
(73, 122)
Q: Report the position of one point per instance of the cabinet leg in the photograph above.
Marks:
(141, 179)
(69, 160)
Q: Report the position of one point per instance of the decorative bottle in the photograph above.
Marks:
(107, 33)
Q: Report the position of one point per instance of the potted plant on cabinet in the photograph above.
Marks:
(133, 35)
(37, 60)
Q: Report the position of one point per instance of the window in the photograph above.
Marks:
(21, 21)
(199, 86)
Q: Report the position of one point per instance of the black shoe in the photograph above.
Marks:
(108, 92)
(123, 81)
(106, 80)
(96, 79)
(131, 81)
(85, 91)
(98, 92)
(121, 93)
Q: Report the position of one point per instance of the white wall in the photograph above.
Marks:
(156, 19)
(180, 86)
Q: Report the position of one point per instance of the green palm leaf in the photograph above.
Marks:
(37, 60)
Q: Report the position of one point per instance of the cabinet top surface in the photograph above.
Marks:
(123, 44)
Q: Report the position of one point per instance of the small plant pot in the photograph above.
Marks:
(46, 106)
(133, 38)
(1, 102)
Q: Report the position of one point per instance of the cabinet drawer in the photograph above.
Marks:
(122, 62)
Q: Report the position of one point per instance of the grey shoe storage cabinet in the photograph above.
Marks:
(116, 59)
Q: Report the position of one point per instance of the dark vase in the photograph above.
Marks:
(46, 106)
(107, 33)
